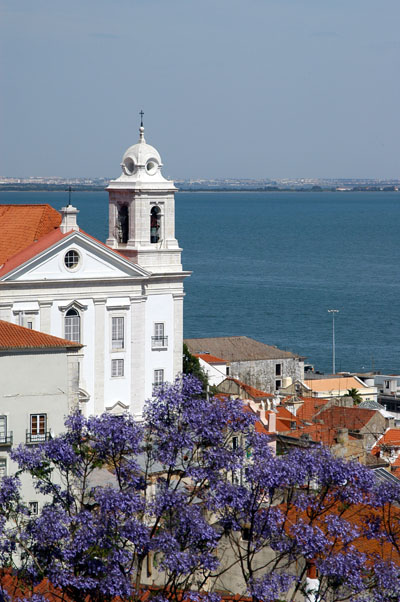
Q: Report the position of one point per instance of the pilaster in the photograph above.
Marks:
(178, 332)
(45, 316)
(5, 311)
(138, 354)
(99, 344)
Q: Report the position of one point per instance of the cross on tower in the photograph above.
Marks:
(69, 190)
(141, 118)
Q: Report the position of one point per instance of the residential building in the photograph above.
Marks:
(262, 366)
(38, 389)
(123, 301)
(337, 385)
(236, 389)
(215, 367)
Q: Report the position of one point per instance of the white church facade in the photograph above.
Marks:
(123, 301)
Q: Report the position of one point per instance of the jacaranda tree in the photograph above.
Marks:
(194, 499)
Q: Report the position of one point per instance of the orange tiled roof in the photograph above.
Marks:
(21, 225)
(350, 418)
(342, 383)
(18, 337)
(210, 359)
(252, 391)
(32, 250)
(310, 407)
(284, 419)
(391, 439)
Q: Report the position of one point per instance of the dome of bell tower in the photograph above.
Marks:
(141, 158)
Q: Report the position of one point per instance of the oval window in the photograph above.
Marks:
(151, 167)
(71, 259)
(129, 165)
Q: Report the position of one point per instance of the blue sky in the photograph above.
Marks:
(230, 88)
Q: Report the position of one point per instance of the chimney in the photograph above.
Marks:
(68, 221)
(342, 436)
(312, 583)
(272, 422)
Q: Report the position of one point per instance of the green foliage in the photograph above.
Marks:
(355, 395)
(191, 365)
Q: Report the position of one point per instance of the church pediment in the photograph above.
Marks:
(76, 256)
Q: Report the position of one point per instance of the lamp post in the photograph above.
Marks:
(333, 312)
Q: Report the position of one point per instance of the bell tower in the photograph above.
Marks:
(142, 211)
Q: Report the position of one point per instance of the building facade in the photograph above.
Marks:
(262, 366)
(122, 301)
(38, 389)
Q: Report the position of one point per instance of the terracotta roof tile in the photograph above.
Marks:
(210, 359)
(237, 348)
(13, 336)
(342, 383)
(21, 225)
(252, 391)
(352, 418)
(391, 439)
(31, 251)
(284, 419)
(310, 407)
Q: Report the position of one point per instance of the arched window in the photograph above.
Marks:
(155, 224)
(123, 224)
(73, 326)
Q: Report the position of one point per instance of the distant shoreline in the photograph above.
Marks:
(83, 188)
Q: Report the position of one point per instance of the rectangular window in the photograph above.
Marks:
(387, 384)
(117, 333)
(29, 325)
(38, 427)
(159, 339)
(278, 384)
(72, 326)
(3, 467)
(278, 369)
(228, 370)
(158, 377)
(117, 368)
(34, 507)
(3, 429)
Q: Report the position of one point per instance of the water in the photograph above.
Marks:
(270, 265)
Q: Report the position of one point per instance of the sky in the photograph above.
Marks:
(229, 88)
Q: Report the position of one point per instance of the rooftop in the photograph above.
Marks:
(210, 359)
(14, 337)
(22, 225)
(334, 383)
(235, 349)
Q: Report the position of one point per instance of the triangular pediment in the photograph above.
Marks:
(117, 409)
(76, 256)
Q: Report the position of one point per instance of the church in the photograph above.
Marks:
(122, 301)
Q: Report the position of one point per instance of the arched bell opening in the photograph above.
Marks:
(155, 224)
(123, 224)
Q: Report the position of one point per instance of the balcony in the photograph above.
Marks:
(6, 439)
(37, 437)
(159, 342)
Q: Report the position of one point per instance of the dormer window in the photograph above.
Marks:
(155, 224)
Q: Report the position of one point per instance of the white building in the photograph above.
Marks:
(123, 301)
(38, 389)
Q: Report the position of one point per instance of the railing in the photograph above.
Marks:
(159, 342)
(6, 439)
(37, 437)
